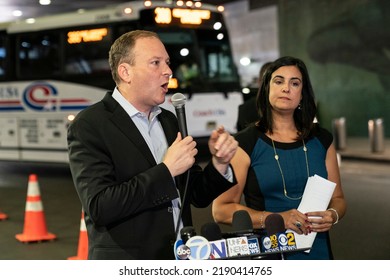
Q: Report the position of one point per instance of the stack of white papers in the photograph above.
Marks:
(316, 197)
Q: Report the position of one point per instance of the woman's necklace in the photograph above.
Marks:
(281, 172)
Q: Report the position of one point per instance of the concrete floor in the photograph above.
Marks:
(362, 235)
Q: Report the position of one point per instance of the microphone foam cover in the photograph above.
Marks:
(178, 99)
(186, 233)
(274, 223)
(242, 221)
(211, 231)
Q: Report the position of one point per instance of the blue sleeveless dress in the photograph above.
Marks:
(264, 186)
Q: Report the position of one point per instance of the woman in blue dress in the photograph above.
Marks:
(278, 154)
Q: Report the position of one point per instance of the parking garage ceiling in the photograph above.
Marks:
(32, 8)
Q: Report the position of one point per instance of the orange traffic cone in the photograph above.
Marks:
(34, 220)
(3, 216)
(82, 251)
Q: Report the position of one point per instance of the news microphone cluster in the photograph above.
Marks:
(212, 245)
(243, 242)
(277, 239)
(200, 248)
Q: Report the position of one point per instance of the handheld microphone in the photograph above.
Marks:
(242, 225)
(238, 246)
(191, 246)
(186, 233)
(278, 240)
(274, 224)
(180, 249)
(212, 232)
(242, 222)
(199, 248)
(178, 101)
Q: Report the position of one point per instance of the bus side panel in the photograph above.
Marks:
(43, 132)
(43, 137)
(34, 117)
(9, 138)
(206, 111)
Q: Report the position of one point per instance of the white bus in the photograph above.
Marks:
(55, 66)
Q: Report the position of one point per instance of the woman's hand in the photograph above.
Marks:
(296, 221)
(321, 220)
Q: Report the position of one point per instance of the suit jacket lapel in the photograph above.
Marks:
(124, 123)
(170, 130)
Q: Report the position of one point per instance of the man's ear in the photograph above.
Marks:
(124, 72)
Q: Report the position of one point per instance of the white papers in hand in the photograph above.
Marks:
(316, 197)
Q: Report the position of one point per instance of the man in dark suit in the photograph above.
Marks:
(247, 111)
(129, 162)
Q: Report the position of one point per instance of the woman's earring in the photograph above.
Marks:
(299, 106)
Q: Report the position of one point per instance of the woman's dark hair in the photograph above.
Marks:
(304, 116)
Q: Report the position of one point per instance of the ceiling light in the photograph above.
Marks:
(30, 20)
(17, 13)
(44, 2)
(184, 52)
(245, 90)
(217, 26)
(245, 61)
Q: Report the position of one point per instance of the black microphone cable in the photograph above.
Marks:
(182, 204)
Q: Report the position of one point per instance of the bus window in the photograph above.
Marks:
(215, 50)
(86, 51)
(201, 60)
(187, 74)
(181, 47)
(38, 55)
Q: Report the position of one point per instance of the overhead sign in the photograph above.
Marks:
(90, 35)
(186, 16)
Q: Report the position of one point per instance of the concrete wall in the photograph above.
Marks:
(253, 34)
(346, 46)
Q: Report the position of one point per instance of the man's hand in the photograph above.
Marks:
(180, 155)
(222, 147)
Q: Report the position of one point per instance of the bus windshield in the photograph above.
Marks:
(200, 61)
